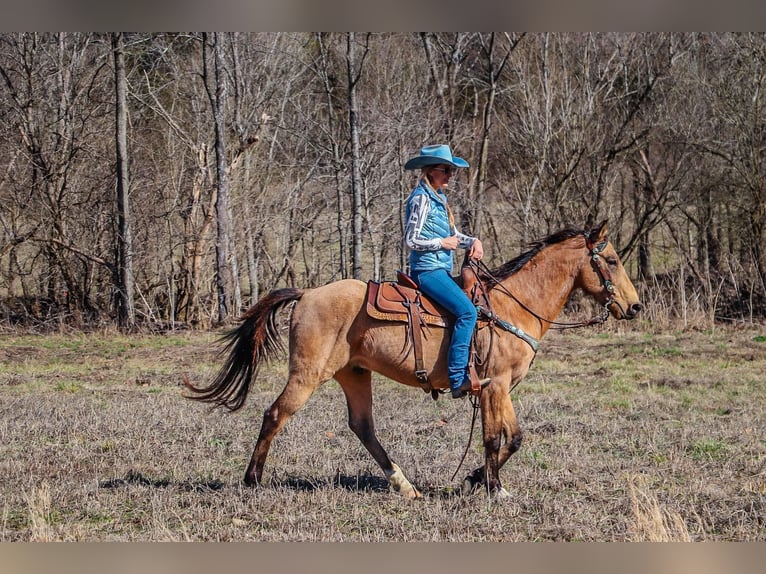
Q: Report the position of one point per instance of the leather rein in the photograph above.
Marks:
(601, 268)
(598, 264)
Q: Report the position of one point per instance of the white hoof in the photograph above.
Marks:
(400, 484)
(502, 494)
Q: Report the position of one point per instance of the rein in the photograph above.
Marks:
(474, 416)
(601, 269)
(594, 249)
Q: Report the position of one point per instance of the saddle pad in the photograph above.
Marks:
(386, 301)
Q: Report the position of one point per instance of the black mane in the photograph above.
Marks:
(512, 266)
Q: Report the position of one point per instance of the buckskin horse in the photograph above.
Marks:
(332, 335)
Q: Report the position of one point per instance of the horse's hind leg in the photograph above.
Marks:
(357, 386)
(293, 397)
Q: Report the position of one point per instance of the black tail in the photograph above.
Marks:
(254, 341)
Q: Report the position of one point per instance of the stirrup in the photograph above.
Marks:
(467, 388)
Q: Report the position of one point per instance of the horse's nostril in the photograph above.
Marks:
(636, 308)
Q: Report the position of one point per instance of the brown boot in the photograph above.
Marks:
(465, 388)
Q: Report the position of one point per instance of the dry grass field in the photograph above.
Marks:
(629, 435)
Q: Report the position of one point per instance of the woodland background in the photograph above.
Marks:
(167, 180)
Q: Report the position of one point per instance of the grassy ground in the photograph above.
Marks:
(629, 435)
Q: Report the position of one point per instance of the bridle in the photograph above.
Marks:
(600, 267)
(602, 270)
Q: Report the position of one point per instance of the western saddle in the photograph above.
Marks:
(401, 301)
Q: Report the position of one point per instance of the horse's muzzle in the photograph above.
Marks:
(633, 310)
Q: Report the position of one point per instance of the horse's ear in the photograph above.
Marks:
(599, 232)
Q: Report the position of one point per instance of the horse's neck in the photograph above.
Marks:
(543, 286)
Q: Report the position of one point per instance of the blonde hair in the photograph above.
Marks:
(425, 170)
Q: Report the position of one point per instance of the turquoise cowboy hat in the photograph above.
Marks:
(435, 155)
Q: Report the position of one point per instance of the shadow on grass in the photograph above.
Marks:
(355, 483)
(133, 477)
(363, 483)
(360, 483)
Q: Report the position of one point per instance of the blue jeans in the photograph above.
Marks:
(440, 287)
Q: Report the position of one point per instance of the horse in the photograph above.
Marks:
(331, 336)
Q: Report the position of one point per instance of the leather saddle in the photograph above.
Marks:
(401, 301)
(398, 300)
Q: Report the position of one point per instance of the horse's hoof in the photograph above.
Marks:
(251, 481)
(400, 484)
(413, 494)
(501, 494)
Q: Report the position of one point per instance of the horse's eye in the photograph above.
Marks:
(611, 261)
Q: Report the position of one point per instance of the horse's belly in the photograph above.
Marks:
(384, 349)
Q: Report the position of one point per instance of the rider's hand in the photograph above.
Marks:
(476, 251)
(450, 242)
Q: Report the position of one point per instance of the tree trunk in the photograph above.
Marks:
(324, 73)
(356, 176)
(125, 305)
(218, 105)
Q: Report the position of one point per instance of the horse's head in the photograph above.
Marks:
(605, 278)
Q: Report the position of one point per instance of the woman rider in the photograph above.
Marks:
(432, 238)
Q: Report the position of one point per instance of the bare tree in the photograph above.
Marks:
(353, 73)
(325, 70)
(660, 133)
(54, 87)
(215, 84)
(472, 216)
(445, 56)
(125, 305)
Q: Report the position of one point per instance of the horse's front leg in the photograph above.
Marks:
(492, 430)
(499, 424)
